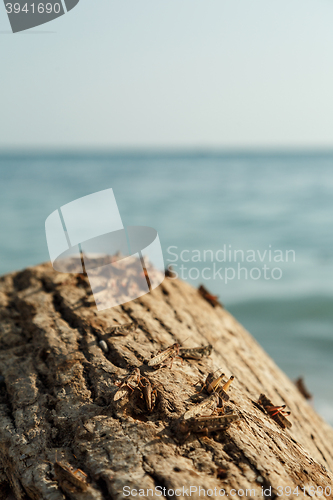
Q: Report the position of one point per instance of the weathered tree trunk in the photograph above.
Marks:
(57, 403)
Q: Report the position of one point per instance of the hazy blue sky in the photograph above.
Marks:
(118, 73)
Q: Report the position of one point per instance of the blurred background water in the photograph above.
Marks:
(203, 201)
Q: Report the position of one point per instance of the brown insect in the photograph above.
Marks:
(195, 352)
(302, 389)
(124, 329)
(149, 394)
(205, 424)
(212, 383)
(277, 413)
(134, 378)
(67, 477)
(222, 473)
(212, 299)
(162, 358)
(209, 404)
(169, 272)
(218, 385)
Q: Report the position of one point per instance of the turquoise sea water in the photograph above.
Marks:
(256, 202)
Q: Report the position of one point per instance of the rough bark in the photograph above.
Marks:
(57, 389)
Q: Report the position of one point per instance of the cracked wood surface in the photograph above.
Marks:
(57, 388)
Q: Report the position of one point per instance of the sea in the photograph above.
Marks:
(254, 227)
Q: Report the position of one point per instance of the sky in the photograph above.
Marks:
(171, 74)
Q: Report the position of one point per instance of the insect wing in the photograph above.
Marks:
(202, 424)
(147, 394)
(120, 393)
(223, 395)
(196, 352)
(124, 329)
(157, 360)
(282, 421)
(208, 404)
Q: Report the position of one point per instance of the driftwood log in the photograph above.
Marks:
(58, 414)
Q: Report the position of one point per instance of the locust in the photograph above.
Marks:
(149, 394)
(124, 329)
(222, 473)
(302, 389)
(206, 424)
(68, 478)
(195, 352)
(214, 385)
(222, 391)
(164, 357)
(133, 378)
(170, 273)
(277, 413)
(212, 299)
(211, 383)
(208, 404)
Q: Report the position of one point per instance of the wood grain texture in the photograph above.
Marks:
(57, 388)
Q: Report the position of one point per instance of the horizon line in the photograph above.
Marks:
(167, 151)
